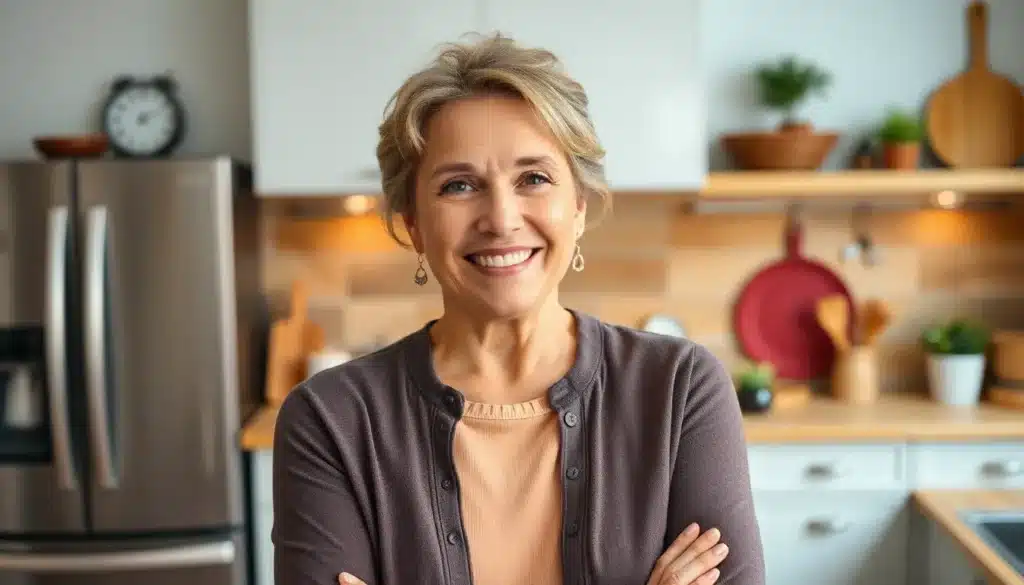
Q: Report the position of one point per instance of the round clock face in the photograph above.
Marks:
(141, 120)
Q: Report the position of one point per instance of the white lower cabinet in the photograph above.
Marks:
(262, 517)
(834, 538)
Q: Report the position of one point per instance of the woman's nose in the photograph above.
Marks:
(503, 214)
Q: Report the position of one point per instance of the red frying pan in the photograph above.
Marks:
(774, 317)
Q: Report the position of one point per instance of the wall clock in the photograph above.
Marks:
(144, 118)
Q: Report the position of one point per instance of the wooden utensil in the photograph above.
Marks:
(833, 313)
(976, 119)
(874, 318)
(292, 339)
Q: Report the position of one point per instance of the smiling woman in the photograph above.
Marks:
(512, 440)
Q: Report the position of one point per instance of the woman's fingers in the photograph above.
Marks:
(348, 579)
(688, 570)
(684, 540)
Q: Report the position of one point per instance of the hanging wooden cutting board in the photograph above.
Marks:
(976, 119)
(292, 340)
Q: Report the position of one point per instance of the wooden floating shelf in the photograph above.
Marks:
(723, 186)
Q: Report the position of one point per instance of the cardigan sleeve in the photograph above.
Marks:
(319, 531)
(711, 478)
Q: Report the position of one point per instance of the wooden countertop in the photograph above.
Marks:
(894, 418)
(944, 508)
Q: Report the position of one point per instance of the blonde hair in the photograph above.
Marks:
(494, 64)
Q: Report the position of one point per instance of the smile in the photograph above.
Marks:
(503, 262)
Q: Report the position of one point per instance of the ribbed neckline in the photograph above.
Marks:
(418, 349)
(519, 410)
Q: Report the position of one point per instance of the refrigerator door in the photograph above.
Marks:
(160, 351)
(41, 489)
(219, 561)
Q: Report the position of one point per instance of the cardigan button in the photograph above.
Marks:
(573, 473)
(574, 529)
(446, 484)
(571, 419)
(453, 538)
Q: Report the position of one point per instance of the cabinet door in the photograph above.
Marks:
(321, 75)
(639, 64)
(851, 538)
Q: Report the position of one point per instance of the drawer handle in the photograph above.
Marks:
(1003, 468)
(823, 471)
(827, 526)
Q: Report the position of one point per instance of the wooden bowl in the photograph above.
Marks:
(73, 146)
(779, 151)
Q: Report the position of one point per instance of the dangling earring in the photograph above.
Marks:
(577, 259)
(420, 277)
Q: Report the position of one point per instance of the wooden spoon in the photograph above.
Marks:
(833, 314)
(874, 318)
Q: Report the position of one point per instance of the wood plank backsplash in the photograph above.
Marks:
(647, 257)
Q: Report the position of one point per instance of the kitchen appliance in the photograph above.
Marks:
(130, 324)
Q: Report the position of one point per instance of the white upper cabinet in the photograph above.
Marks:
(322, 72)
(639, 63)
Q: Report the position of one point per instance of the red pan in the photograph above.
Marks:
(774, 317)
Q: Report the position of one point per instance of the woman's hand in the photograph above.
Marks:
(691, 559)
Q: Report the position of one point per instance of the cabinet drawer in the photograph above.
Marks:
(990, 465)
(833, 538)
(787, 467)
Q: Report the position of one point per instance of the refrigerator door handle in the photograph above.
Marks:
(96, 230)
(56, 345)
(190, 555)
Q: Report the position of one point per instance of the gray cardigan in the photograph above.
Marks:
(651, 440)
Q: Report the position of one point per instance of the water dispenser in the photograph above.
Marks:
(24, 416)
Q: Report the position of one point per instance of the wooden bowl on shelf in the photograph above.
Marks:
(779, 151)
(72, 146)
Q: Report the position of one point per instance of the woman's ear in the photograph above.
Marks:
(414, 233)
(580, 221)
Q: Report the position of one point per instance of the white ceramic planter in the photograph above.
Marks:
(956, 379)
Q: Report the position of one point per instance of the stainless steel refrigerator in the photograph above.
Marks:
(130, 327)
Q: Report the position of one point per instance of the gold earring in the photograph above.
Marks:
(420, 277)
(577, 259)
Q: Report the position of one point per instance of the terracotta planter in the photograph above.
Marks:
(901, 155)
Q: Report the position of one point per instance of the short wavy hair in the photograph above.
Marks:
(490, 65)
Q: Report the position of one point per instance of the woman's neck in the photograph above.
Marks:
(504, 361)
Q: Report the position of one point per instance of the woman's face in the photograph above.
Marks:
(497, 212)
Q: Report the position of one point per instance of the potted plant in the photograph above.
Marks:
(901, 136)
(786, 84)
(793, 144)
(754, 387)
(956, 361)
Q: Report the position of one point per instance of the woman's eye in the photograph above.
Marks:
(456, 186)
(533, 179)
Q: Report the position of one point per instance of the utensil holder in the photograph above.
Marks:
(855, 378)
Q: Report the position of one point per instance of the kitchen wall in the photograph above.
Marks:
(650, 257)
(60, 56)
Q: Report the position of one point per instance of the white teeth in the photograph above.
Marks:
(503, 260)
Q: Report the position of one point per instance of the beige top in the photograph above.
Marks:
(506, 457)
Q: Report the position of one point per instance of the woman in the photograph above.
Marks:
(512, 440)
